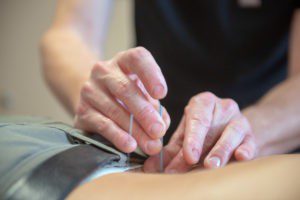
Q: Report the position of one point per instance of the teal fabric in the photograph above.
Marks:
(25, 142)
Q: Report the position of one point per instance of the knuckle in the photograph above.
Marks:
(82, 109)
(195, 99)
(236, 126)
(123, 89)
(206, 98)
(144, 112)
(207, 95)
(142, 51)
(102, 125)
(200, 119)
(87, 89)
(112, 111)
(225, 148)
(137, 54)
(99, 69)
(230, 105)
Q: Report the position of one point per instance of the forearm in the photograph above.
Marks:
(275, 119)
(67, 62)
(265, 178)
(72, 45)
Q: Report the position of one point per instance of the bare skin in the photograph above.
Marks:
(101, 95)
(275, 177)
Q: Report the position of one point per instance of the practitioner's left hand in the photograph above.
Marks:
(211, 133)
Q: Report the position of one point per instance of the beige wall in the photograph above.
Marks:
(22, 89)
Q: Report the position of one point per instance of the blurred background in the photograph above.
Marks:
(22, 88)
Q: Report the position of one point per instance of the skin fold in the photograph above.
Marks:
(274, 177)
(101, 94)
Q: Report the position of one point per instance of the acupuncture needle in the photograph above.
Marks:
(161, 154)
(130, 133)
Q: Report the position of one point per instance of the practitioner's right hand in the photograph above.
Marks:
(131, 82)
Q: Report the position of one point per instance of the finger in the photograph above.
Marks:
(199, 115)
(178, 164)
(246, 151)
(170, 151)
(110, 108)
(92, 121)
(154, 102)
(178, 136)
(140, 61)
(224, 111)
(152, 164)
(124, 89)
(165, 116)
(231, 138)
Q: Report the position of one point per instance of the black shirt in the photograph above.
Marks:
(220, 46)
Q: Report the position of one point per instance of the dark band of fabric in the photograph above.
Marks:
(59, 175)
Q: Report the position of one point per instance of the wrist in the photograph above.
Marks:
(260, 126)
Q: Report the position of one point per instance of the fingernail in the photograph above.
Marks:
(157, 130)
(171, 171)
(214, 162)
(158, 90)
(153, 146)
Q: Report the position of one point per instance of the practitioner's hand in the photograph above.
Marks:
(211, 132)
(131, 82)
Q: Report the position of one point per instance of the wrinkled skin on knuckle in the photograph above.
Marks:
(236, 126)
(112, 111)
(196, 118)
(240, 124)
(102, 125)
(87, 90)
(124, 88)
(193, 143)
(144, 112)
(206, 99)
(230, 106)
(100, 71)
(82, 109)
(225, 148)
(82, 116)
(200, 118)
